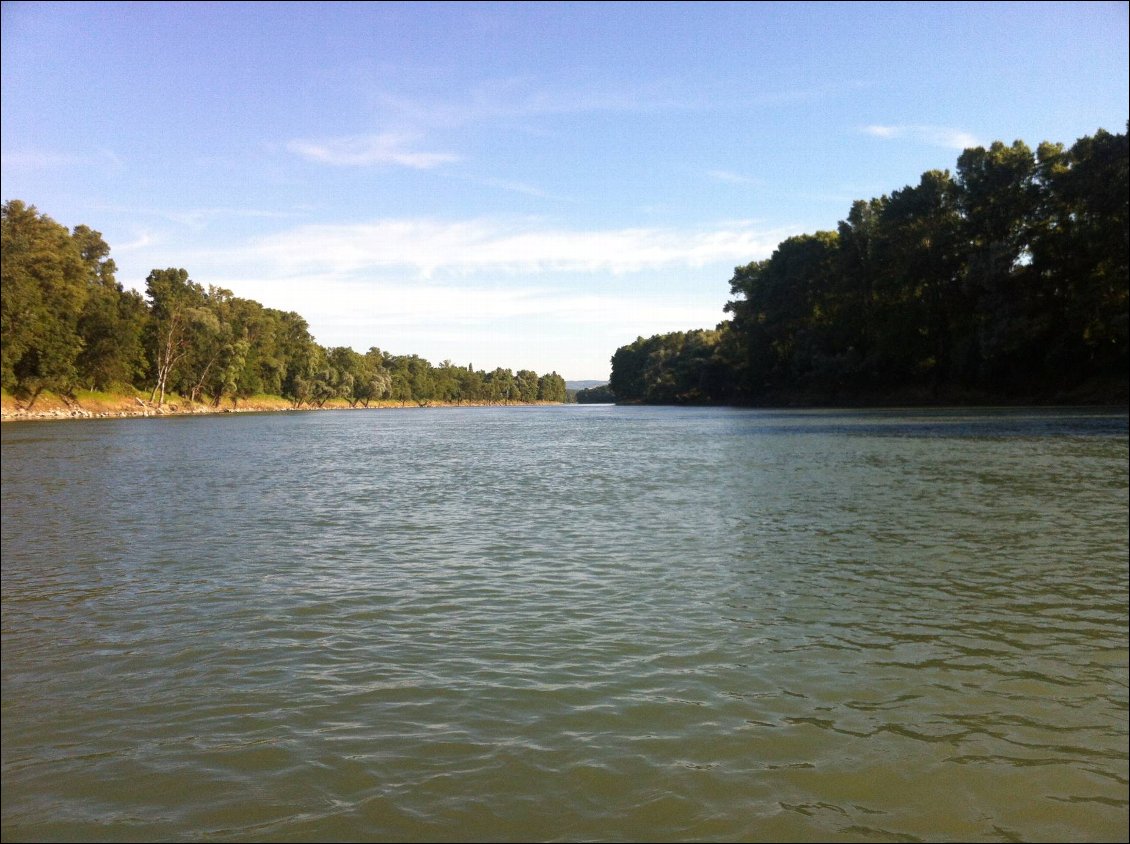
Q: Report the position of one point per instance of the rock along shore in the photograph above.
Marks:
(52, 407)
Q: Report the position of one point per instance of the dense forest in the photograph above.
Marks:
(600, 394)
(1006, 280)
(66, 323)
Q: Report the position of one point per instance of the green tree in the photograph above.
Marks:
(1080, 249)
(997, 197)
(526, 386)
(916, 283)
(327, 383)
(178, 307)
(629, 363)
(213, 345)
(373, 381)
(596, 395)
(853, 302)
(112, 326)
(551, 387)
(780, 317)
(500, 386)
(42, 295)
(297, 356)
(250, 358)
(471, 384)
(112, 322)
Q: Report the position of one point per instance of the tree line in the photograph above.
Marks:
(600, 394)
(66, 323)
(1006, 279)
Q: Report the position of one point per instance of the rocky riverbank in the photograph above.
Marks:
(49, 406)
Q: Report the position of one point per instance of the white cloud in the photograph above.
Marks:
(426, 247)
(521, 97)
(570, 330)
(885, 131)
(517, 97)
(512, 292)
(143, 240)
(197, 218)
(370, 150)
(400, 303)
(40, 160)
(515, 187)
(731, 178)
(49, 160)
(939, 136)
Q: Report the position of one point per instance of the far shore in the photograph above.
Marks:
(91, 405)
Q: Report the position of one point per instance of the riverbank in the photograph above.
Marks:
(1094, 392)
(98, 405)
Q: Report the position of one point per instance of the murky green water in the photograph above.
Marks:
(567, 623)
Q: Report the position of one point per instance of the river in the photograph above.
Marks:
(567, 623)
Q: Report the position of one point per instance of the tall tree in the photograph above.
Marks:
(526, 385)
(112, 322)
(551, 387)
(780, 314)
(43, 291)
(1010, 279)
(915, 279)
(997, 197)
(1080, 253)
(178, 306)
(297, 354)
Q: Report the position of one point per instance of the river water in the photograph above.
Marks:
(567, 623)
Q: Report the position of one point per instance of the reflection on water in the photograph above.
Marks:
(567, 623)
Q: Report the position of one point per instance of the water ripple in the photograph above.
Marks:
(567, 624)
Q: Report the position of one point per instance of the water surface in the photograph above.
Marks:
(567, 623)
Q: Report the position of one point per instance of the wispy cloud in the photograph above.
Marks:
(39, 160)
(731, 178)
(511, 186)
(388, 148)
(426, 247)
(939, 136)
(51, 160)
(519, 98)
(885, 131)
(142, 240)
(201, 217)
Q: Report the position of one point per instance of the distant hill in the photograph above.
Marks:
(584, 385)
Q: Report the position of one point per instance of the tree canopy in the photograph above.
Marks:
(1006, 279)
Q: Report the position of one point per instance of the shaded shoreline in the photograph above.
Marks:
(1094, 392)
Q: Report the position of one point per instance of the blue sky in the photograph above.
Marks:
(515, 185)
